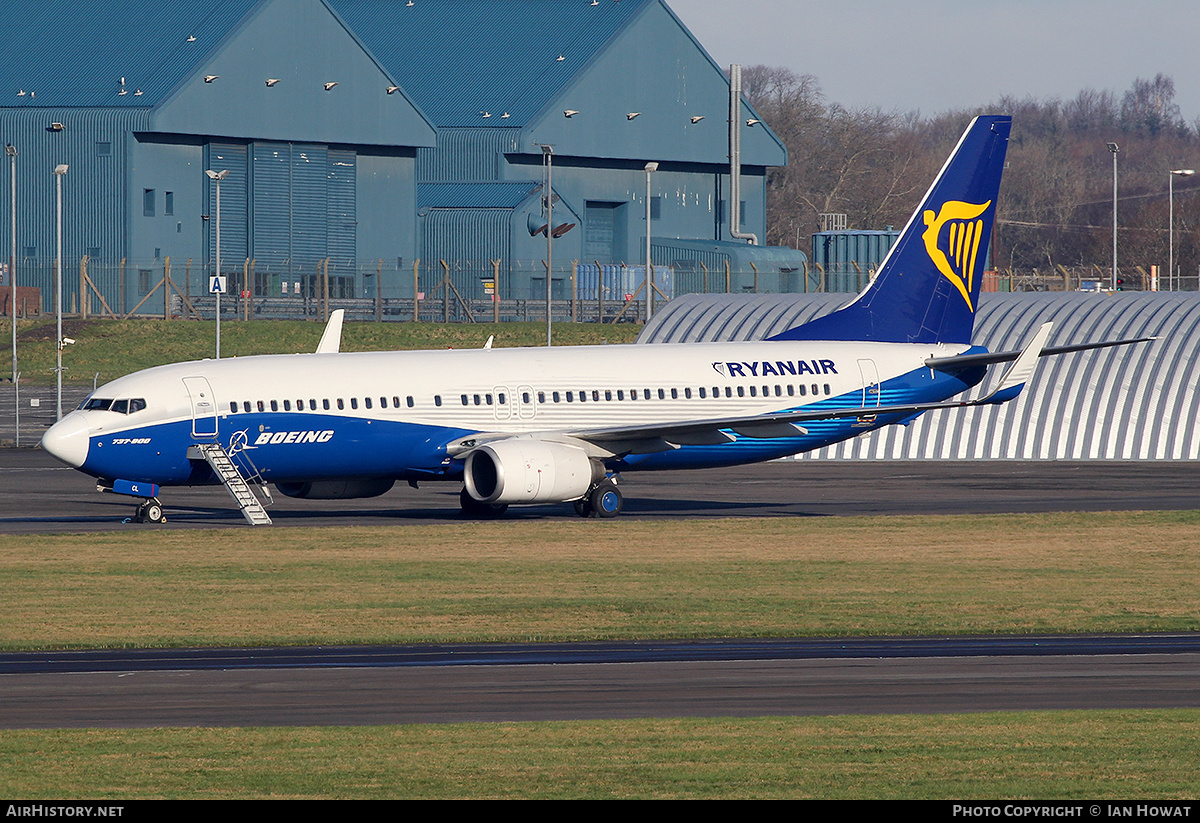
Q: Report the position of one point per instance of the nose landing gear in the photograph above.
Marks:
(150, 511)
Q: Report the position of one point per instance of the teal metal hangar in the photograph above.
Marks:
(367, 135)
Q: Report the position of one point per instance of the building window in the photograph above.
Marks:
(169, 202)
(147, 202)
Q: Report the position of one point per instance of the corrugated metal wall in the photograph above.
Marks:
(1129, 403)
(96, 145)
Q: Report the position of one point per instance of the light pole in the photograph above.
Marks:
(1171, 233)
(1112, 147)
(548, 193)
(218, 176)
(11, 151)
(59, 171)
(649, 283)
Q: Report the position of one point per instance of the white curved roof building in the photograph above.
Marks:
(1135, 402)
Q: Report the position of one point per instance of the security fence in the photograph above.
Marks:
(438, 291)
(464, 291)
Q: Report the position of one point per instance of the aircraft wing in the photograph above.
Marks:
(656, 437)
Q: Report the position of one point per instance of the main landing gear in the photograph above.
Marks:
(477, 510)
(604, 500)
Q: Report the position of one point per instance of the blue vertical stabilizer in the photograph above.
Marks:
(927, 287)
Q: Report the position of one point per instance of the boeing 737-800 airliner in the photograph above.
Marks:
(547, 425)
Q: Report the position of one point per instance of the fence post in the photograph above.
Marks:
(445, 291)
(599, 292)
(166, 288)
(416, 294)
(379, 292)
(495, 291)
(325, 287)
(727, 277)
(83, 295)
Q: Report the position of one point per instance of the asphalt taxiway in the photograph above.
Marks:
(40, 496)
(454, 684)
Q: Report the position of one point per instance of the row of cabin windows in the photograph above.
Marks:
(325, 404)
(595, 395)
(686, 393)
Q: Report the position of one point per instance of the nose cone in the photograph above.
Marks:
(68, 439)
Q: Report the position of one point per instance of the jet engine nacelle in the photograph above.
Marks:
(337, 489)
(529, 471)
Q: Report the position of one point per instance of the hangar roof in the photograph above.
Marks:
(461, 57)
(76, 54)
(517, 65)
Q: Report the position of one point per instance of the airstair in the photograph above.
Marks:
(220, 461)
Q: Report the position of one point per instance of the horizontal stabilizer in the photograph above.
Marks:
(965, 361)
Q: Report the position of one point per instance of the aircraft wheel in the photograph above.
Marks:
(583, 508)
(606, 500)
(474, 508)
(154, 512)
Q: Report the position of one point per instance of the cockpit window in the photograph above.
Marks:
(126, 406)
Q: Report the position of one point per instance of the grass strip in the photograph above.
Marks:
(112, 348)
(593, 580)
(1125, 755)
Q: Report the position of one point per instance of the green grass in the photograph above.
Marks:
(592, 580)
(114, 348)
(1126, 755)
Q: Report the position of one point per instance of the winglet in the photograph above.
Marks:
(1019, 372)
(331, 340)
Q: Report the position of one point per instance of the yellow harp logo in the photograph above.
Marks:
(957, 261)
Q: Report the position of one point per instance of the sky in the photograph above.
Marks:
(936, 55)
